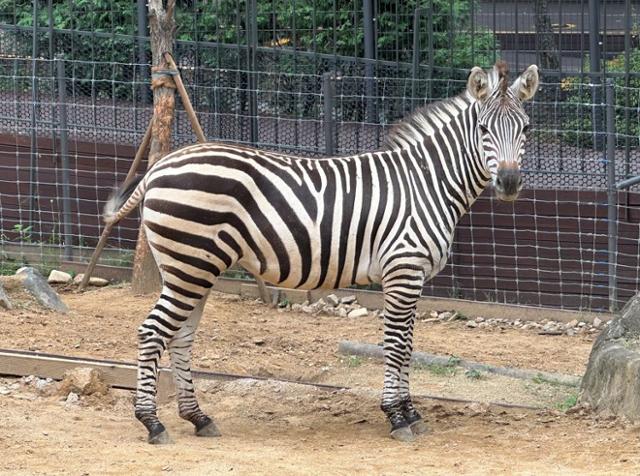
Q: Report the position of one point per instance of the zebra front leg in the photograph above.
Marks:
(411, 415)
(164, 322)
(402, 288)
(180, 350)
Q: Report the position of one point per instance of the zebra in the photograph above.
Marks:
(384, 217)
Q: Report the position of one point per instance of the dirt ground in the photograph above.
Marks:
(270, 427)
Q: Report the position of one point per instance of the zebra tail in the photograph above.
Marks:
(124, 200)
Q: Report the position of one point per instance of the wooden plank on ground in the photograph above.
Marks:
(116, 374)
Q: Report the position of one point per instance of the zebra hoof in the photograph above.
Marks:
(419, 427)
(403, 434)
(161, 438)
(209, 430)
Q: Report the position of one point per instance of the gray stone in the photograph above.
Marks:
(333, 300)
(308, 309)
(58, 277)
(98, 282)
(361, 312)
(4, 299)
(72, 399)
(93, 280)
(348, 299)
(38, 287)
(445, 316)
(611, 384)
(480, 319)
(472, 324)
(570, 324)
(597, 322)
(433, 314)
(342, 312)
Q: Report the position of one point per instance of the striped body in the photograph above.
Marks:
(382, 217)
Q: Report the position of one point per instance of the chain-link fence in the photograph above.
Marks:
(75, 104)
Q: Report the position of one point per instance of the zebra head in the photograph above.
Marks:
(502, 123)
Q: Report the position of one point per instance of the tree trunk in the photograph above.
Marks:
(146, 278)
(547, 51)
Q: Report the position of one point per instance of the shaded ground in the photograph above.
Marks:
(271, 427)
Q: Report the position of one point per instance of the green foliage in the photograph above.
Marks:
(354, 361)
(473, 374)
(322, 26)
(578, 126)
(449, 369)
(569, 402)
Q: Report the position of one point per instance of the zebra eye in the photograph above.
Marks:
(525, 129)
(483, 128)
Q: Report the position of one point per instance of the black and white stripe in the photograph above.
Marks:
(383, 217)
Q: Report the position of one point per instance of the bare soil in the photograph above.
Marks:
(271, 427)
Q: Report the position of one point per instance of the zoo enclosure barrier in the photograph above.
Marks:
(70, 122)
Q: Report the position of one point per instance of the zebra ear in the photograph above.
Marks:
(526, 85)
(478, 83)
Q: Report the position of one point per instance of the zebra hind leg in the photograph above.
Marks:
(164, 322)
(401, 292)
(180, 349)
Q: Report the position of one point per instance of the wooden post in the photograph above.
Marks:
(145, 278)
(107, 229)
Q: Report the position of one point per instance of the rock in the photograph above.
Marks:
(453, 317)
(98, 282)
(95, 281)
(570, 324)
(308, 309)
(41, 384)
(332, 300)
(359, 312)
(4, 299)
(348, 299)
(571, 332)
(611, 384)
(342, 312)
(445, 316)
(582, 324)
(258, 341)
(478, 408)
(597, 322)
(433, 314)
(480, 319)
(296, 307)
(38, 287)
(58, 277)
(472, 324)
(83, 381)
(72, 399)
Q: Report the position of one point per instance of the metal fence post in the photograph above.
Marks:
(252, 83)
(33, 160)
(431, 63)
(64, 156)
(594, 70)
(612, 196)
(142, 51)
(368, 20)
(415, 64)
(328, 94)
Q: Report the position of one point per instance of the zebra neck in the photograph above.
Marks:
(448, 165)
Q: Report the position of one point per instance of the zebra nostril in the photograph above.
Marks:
(499, 182)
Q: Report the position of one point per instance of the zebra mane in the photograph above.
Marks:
(412, 127)
(418, 124)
